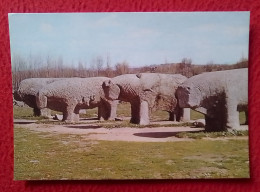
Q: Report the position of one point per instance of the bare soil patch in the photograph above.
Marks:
(93, 130)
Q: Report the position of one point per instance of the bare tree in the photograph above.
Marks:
(108, 71)
(209, 66)
(122, 68)
(80, 69)
(185, 67)
(48, 66)
(18, 65)
(99, 64)
(242, 63)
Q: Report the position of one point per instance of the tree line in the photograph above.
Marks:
(36, 67)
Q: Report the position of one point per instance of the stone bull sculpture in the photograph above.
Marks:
(220, 96)
(71, 95)
(146, 92)
(28, 89)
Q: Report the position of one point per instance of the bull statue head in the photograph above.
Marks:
(189, 96)
(111, 90)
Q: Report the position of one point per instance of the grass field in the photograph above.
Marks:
(40, 156)
(44, 156)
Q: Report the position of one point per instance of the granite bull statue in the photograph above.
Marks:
(220, 96)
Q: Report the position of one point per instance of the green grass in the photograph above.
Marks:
(242, 118)
(62, 156)
(114, 124)
(124, 109)
(25, 113)
(44, 156)
(127, 124)
(196, 115)
(202, 134)
(90, 113)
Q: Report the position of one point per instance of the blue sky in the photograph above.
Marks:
(138, 38)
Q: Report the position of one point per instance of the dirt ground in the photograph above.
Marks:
(92, 130)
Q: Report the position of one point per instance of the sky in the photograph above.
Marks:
(137, 38)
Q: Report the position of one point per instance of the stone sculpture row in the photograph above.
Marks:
(218, 95)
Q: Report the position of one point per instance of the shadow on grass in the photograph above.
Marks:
(23, 121)
(84, 126)
(160, 134)
(156, 134)
(89, 119)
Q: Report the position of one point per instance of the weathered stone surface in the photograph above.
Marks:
(28, 89)
(186, 114)
(71, 95)
(219, 95)
(146, 92)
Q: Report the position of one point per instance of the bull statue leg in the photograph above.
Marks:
(180, 114)
(172, 115)
(214, 124)
(76, 114)
(36, 112)
(140, 113)
(107, 110)
(144, 113)
(71, 116)
(113, 109)
(246, 113)
(232, 114)
(216, 119)
(103, 110)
